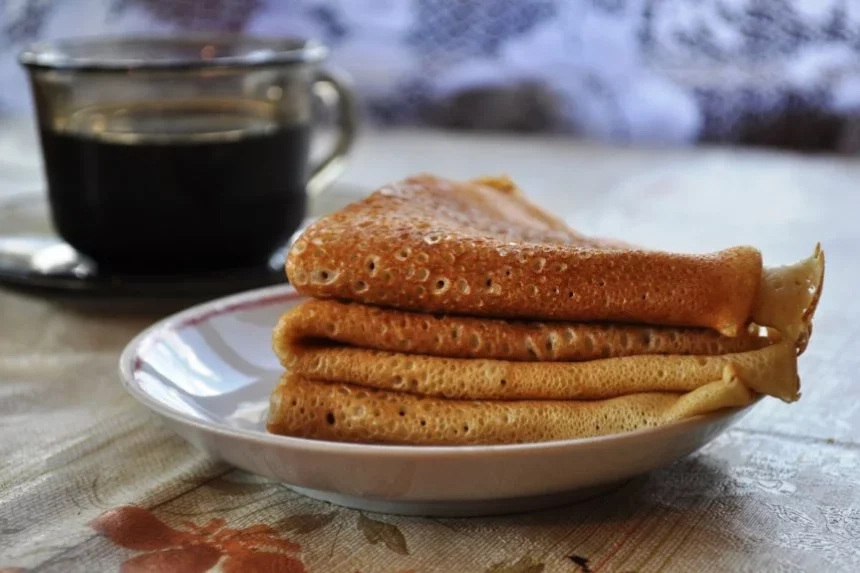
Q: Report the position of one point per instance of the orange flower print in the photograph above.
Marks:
(196, 548)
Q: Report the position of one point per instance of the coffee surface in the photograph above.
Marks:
(162, 187)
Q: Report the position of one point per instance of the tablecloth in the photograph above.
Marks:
(90, 480)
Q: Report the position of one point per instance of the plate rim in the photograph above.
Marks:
(129, 358)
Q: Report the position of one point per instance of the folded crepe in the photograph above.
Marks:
(480, 248)
(468, 358)
(346, 413)
(423, 329)
(334, 323)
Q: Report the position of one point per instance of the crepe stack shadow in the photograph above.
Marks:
(449, 313)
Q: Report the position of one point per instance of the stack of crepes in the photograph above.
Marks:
(448, 313)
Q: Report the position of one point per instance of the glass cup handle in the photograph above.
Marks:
(333, 91)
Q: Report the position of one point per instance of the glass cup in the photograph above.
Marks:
(177, 154)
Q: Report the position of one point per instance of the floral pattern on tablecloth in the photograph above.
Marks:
(196, 548)
(730, 508)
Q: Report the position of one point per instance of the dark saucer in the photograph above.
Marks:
(47, 263)
(33, 258)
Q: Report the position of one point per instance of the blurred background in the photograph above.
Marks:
(776, 73)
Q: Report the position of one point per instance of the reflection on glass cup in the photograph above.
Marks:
(178, 154)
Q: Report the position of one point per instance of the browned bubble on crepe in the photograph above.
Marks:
(346, 413)
(480, 248)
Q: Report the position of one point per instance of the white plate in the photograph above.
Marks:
(208, 372)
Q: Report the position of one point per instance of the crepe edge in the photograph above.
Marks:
(788, 297)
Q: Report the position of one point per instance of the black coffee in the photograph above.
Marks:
(197, 186)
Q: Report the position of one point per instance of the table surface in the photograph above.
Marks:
(779, 492)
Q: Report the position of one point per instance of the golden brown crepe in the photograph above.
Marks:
(481, 248)
(469, 358)
(631, 338)
(346, 413)
(334, 323)
(771, 371)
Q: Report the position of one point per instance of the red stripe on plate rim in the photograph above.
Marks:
(213, 312)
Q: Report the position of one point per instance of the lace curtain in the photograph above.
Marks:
(769, 72)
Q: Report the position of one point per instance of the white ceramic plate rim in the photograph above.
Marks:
(130, 356)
